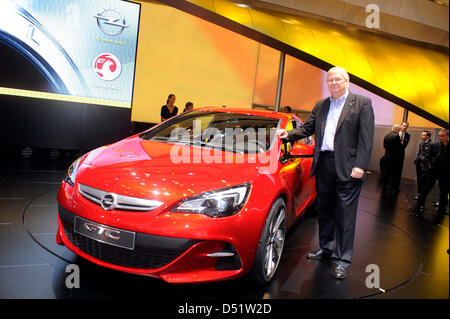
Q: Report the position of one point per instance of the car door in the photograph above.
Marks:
(295, 173)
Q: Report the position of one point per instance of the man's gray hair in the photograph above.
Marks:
(338, 69)
(396, 127)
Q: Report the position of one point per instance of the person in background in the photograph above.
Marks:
(287, 109)
(423, 161)
(188, 107)
(169, 110)
(404, 139)
(440, 172)
(344, 127)
(404, 136)
(392, 158)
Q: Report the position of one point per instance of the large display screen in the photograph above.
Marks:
(74, 50)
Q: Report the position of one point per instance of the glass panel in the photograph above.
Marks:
(266, 76)
(386, 112)
(302, 85)
(196, 60)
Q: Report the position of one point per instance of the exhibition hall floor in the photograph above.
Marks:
(410, 251)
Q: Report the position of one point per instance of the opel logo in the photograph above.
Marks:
(108, 202)
(110, 233)
(111, 21)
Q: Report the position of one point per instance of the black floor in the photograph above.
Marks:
(410, 252)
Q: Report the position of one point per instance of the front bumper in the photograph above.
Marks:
(173, 259)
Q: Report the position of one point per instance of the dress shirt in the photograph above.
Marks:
(332, 121)
(402, 135)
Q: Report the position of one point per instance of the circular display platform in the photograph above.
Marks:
(379, 246)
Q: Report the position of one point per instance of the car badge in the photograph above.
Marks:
(108, 202)
(111, 21)
(107, 66)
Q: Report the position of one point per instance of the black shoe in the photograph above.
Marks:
(435, 203)
(339, 271)
(416, 197)
(318, 254)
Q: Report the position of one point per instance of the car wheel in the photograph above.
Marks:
(271, 243)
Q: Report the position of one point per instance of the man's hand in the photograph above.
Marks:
(357, 172)
(282, 133)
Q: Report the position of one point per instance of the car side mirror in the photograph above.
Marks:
(297, 151)
(302, 150)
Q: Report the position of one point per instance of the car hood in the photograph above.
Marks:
(144, 169)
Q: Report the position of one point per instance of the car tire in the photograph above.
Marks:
(271, 244)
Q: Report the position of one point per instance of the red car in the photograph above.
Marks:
(207, 195)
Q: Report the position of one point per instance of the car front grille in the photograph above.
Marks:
(150, 252)
(116, 201)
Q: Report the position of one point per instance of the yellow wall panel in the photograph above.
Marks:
(233, 12)
(191, 58)
(362, 65)
(269, 25)
(207, 4)
(302, 84)
(417, 75)
(299, 35)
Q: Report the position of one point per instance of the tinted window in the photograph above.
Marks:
(226, 131)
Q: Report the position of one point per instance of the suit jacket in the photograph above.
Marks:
(404, 144)
(423, 149)
(353, 140)
(425, 155)
(439, 157)
(393, 146)
(406, 140)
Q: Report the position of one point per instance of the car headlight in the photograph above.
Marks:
(72, 172)
(219, 203)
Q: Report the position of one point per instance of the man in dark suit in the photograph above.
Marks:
(404, 136)
(423, 161)
(440, 171)
(404, 139)
(393, 158)
(344, 128)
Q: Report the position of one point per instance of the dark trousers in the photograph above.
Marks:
(429, 180)
(443, 180)
(393, 173)
(397, 172)
(336, 205)
(419, 176)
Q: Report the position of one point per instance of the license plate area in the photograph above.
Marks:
(105, 234)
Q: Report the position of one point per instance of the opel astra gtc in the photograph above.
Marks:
(207, 195)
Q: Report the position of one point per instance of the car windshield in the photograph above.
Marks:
(231, 132)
